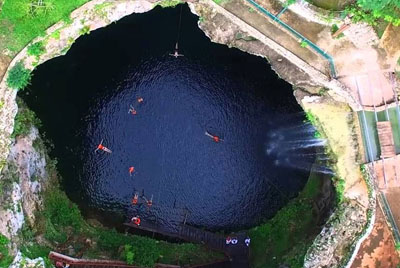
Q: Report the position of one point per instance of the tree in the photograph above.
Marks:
(389, 10)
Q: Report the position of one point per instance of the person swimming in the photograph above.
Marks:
(135, 199)
(131, 170)
(140, 100)
(149, 202)
(132, 110)
(215, 138)
(102, 148)
(176, 52)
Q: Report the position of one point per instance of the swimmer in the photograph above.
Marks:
(135, 199)
(131, 170)
(247, 241)
(176, 52)
(132, 110)
(140, 100)
(149, 202)
(215, 138)
(102, 147)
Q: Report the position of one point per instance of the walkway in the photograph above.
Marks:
(238, 253)
(85, 263)
(93, 263)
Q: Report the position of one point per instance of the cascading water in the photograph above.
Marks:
(298, 146)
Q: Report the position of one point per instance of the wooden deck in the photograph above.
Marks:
(386, 139)
(85, 263)
(238, 253)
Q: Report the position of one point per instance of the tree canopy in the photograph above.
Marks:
(389, 10)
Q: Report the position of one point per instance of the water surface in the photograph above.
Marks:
(84, 97)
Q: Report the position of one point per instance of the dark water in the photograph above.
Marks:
(84, 97)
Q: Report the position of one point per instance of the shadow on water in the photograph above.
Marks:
(84, 97)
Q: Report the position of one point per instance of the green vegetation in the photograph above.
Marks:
(372, 11)
(23, 20)
(61, 223)
(18, 77)
(285, 238)
(397, 246)
(36, 49)
(5, 258)
(24, 120)
(303, 43)
(311, 118)
(289, 2)
(389, 10)
(339, 187)
(84, 30)
(334, 29)
(169, 3)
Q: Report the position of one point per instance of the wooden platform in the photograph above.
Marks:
(84, 263)
(238, 253)
(386, 141)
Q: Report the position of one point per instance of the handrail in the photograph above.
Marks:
(390, 217)
(299, 35)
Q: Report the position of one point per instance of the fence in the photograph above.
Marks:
(300, 36)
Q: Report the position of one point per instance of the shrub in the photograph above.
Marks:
(36, 49)
(60, 211)
(18, 77)
(84, 30)
(24, 120)
(169, 3)
(128, 254)
(5, 258)
(303, 43)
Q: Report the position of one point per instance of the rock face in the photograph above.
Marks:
(22, 262)
(345, 224)
(26, 177)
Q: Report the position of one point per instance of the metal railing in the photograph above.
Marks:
(389, 217)
(300, 36)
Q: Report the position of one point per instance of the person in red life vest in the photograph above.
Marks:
(131, 170)
(102, 148)
(135, 199)
(140, 99)
(136, 220)
(215, 138)
(132, 110)
(149, 202)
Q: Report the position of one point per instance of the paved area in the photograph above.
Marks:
(388, 169)
(378, 250)
(243, 10)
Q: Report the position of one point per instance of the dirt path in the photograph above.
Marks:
(378, 249)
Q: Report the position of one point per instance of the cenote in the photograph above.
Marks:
(84, 97)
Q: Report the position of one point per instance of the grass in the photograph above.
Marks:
(18, 77)
(285, 238)
(23, 20)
